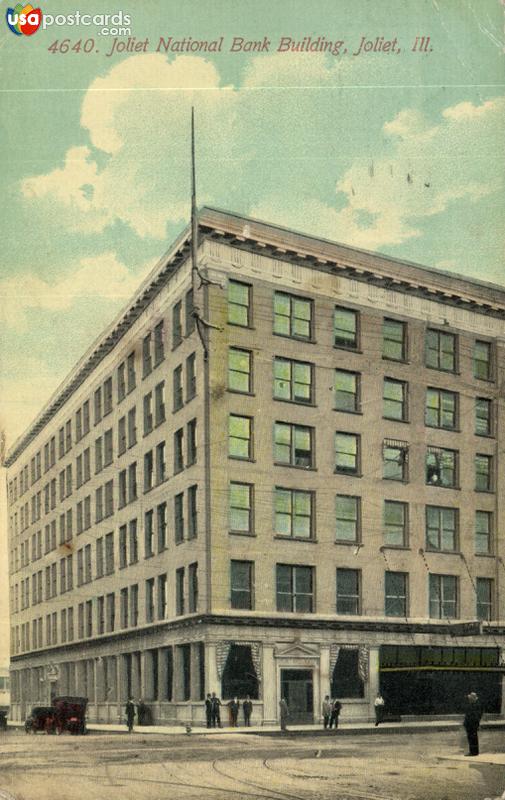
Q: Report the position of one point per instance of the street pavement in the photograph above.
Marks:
(233, 765)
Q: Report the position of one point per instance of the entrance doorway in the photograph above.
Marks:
(298, 690)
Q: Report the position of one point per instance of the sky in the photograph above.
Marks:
(397, 151)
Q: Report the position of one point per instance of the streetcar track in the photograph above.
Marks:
(257, 785)
(350, 793)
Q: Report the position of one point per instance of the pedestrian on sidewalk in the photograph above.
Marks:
(335, 713)
(284, 714)
(233, 707)
(247, 708)
(473, 715)
(208, 710)
(215, 710)
(326, 711)
(379, 705)
(130, 714)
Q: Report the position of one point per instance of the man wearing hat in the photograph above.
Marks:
(473, 714)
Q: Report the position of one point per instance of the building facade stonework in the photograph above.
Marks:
(276, 476)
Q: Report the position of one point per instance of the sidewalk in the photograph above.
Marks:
(344, 729)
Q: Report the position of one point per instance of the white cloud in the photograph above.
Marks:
(102, 276)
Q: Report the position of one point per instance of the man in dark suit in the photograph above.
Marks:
(208, 710)
(247, 708)
(473, 714)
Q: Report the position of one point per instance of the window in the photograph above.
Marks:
(395, 400)
(159, 403)
(293, 513)
(395, 594)
(293, 380)
(108, 448)
(295, 588)
(162, 596)
(239, 437)
(179, 591)
(191, 442)
(192, 512)
(239, 304)
(239, 370)
(133, 541)
(394, 340)
(78, 426)
(148, 413)
(179, 517)
(293, 445)
(121, 436)
(395, 460)
(132, 482)
(159, 343)
(347, 517)
(345, 328)
(347, 390)
(121, 381)
(190, 377)
(109, 554)
(347, 453)
(241, 585)
(292, 316)
(161, 467)
(132, 427)
(441, 528)
(123, 547)
(99, 504)
(443, 596)
(148, 534)
(483, 418)
(147, 364)
(483, 532)
(178, 390)
(483, 473)
(484, 592)
(179, 450)
(148, 471)
(193, 588)
(482, 361)
(241, 510)
(85, 418)
(440, 350)
(150, 600)
(134, 605)
(98, 455)
(441, 467)
(348, 591)
(98, 405)
(161, 519)
(123, 607)
(177, 324)
(109, 498)
(441, 409)
(107, 397)
(395, 523)
(130, 372)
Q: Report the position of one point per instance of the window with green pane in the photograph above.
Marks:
(395, 460)
(239, 304)
(395, 399)
(240, 510)
(293, 445)
(443, 596)
(441, 407)
(348, 591)
(483, 472)
(347, 390)
(295, 588)
(239, 436)
(347, 453)
(241, 584)
(441, 350)
(441, 528)
(483, 408)
(394, 339)
(395, 523)
(482, 360)
(293, 513)
(293, 380)
(395, 591)
(441, 467)
(292, 316)
(484, 592)
(347, 517)
(239, 370)
(483, 532)
(345, 328)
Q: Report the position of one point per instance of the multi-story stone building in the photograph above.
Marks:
(276, 475)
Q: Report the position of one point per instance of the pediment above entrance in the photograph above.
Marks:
(296, 650)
